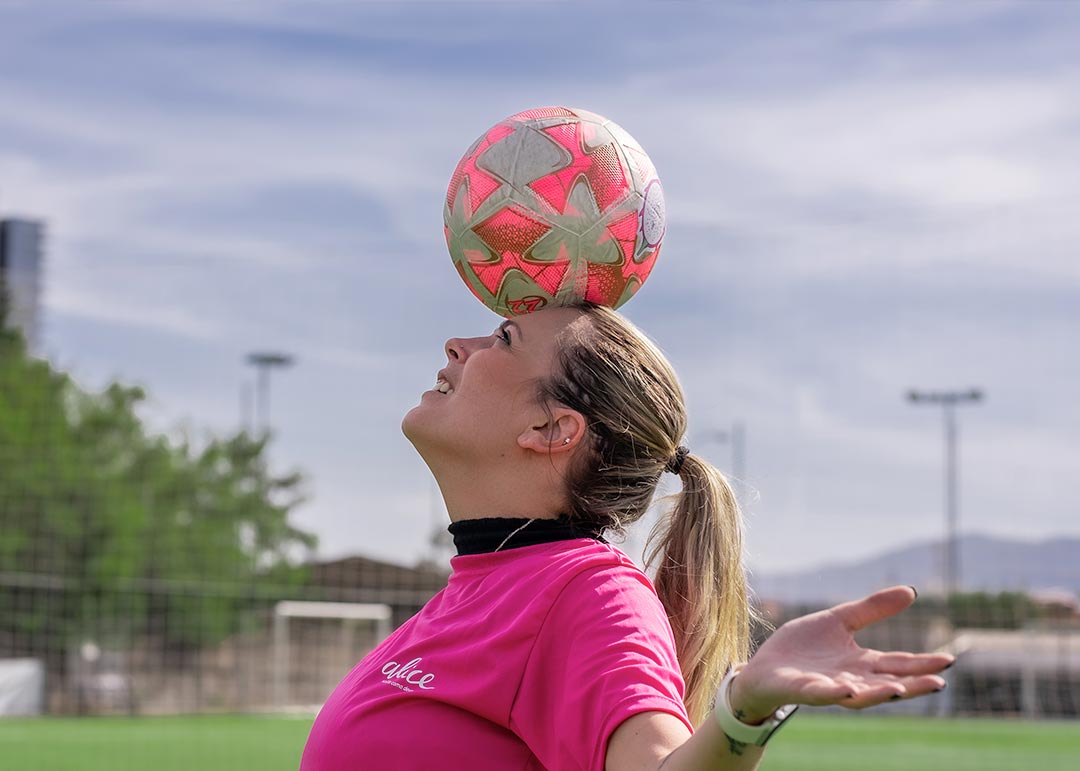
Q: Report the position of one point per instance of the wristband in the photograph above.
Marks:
(757, 735)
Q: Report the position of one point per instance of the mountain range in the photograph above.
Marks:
(987, 563)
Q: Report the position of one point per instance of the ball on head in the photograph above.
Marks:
(552, 205)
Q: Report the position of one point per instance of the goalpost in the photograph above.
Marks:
(349, 613)
(22, 687)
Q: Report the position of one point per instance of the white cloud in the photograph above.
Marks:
(173, 320)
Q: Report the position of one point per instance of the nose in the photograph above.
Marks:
(459, 349)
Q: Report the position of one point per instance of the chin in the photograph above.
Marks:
(430, 434)
(418, 425)
(419, 432)
(410, 424)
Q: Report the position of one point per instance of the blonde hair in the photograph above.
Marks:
(620, 381)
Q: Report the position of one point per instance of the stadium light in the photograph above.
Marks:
(949, 401)
(263, 363)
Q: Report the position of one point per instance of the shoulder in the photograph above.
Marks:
(596, 598)
(611, 598)
(575, 586)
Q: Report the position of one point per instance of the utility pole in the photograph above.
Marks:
(949, 401)
(263, 363)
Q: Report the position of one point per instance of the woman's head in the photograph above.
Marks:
(495, 448)
(574, 395)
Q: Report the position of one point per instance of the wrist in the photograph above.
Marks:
(744, 723)
(743, 704)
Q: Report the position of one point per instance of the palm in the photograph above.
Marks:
(815, 660)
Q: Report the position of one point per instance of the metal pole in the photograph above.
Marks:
(280, 657)
(247, 422)
(738, 452)
(736, 439)
(952, 504)
(951, 576)
(262, 398)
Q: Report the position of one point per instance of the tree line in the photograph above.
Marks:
(109, 530)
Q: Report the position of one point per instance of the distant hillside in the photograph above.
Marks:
(987, 564)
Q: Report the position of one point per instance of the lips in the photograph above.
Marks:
(442, 384)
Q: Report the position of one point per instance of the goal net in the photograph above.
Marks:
(316, 643)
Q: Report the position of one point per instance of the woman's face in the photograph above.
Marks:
(485, 397)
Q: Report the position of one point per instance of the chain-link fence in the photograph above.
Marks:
(166, 647)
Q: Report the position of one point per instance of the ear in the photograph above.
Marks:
(559, 432)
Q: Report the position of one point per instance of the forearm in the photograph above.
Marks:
(710, 748)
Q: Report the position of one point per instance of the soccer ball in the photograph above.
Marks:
(553, 205)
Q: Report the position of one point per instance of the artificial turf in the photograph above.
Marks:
(809, 742)
(830, 742)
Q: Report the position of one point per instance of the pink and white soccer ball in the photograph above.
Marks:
(552, 205)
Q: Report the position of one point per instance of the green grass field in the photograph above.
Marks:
(811, 742)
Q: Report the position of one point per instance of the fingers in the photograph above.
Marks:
(862, 696)
(900, 663)
(875, 678)
(861, 613)
(857, 692)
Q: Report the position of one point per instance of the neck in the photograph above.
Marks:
(479, 491)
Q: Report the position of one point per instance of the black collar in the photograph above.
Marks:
(481, 536)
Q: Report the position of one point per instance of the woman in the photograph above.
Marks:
(549, 649)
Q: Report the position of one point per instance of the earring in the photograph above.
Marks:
(566, 440)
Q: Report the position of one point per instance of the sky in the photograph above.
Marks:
(862, 198)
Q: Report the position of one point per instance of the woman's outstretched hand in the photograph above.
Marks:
(815, 660)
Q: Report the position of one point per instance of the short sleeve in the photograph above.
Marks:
(604, 653)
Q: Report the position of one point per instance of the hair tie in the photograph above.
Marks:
(675, 464)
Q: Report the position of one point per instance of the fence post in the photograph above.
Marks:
(1028, 704)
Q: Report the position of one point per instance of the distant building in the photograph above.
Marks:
(362, 579)
(21, 259)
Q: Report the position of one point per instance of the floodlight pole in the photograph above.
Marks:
(949, 401)
(263, 363)
(736, 437)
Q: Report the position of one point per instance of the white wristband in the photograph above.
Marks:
(757, 735)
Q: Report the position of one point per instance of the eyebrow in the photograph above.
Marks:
(515, 325)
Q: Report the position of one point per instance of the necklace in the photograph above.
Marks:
(512, 534)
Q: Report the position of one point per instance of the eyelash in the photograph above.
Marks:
(504, 334)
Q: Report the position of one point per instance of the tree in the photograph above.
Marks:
(110, 531)
(1004, 610)
(983, 610)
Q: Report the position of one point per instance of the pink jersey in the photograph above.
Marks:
(529, 659)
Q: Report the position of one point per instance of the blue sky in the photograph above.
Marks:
(862, 198)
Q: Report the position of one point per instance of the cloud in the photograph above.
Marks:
(863, 198)
(176, 320)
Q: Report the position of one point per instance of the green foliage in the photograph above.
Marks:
(108, 527)
(983, 610)
(1006, 610)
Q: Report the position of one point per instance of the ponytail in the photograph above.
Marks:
(696, 551)
(621, 382)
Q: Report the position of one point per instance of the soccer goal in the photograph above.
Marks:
(22, 687)
(315, 644)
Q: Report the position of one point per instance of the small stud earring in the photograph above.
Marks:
(566, 440)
